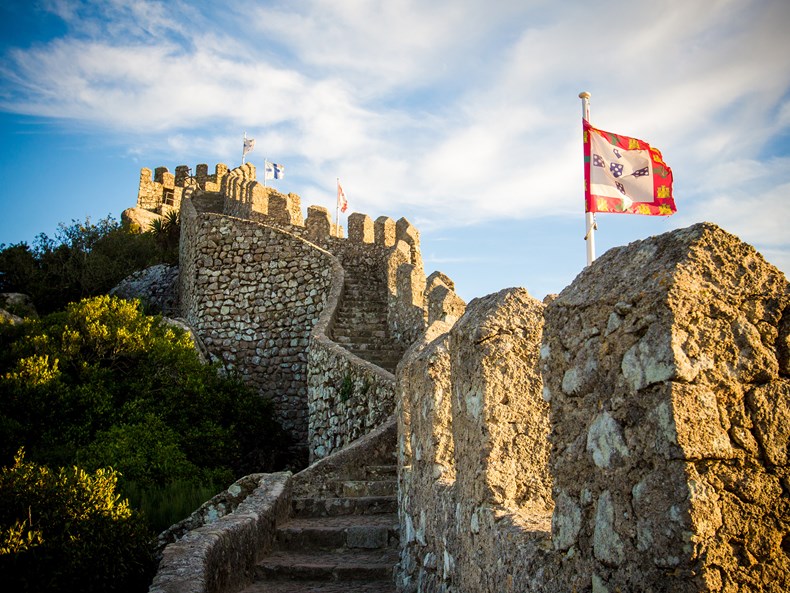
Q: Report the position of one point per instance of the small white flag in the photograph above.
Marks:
(273, 171)
(249, 145)
(342, 203)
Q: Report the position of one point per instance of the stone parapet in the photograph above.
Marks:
(384, 231)
(221, 555)
(360, 228)
(324, 477)
(662, 368)
(441, 301)
(348, 396)
(165, 189)
(475, 492)
(665, 368)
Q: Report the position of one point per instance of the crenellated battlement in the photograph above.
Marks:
(243, 196)
(163, 190)
(236, 229)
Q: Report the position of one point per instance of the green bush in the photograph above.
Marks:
(103, 384)
(67, 530)
(147, 453)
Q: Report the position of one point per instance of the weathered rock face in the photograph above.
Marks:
(475, 491)
(14, 306)
(665, 369)
(663, 364)
(426, 455)
(156, 287)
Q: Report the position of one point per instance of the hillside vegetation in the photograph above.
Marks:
(111, 428)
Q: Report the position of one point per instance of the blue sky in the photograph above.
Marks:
(461, 115)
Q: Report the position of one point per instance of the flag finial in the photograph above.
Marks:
(584, 95)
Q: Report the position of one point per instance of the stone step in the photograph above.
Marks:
(378, 586)
(377, 319)
(382, 470)
(356, 317)
(370, 303)
(366, 352)
(380, 346)
(372, 356)
(388, 364)
(359, 332)
(333, 507)
(364, 292)
(376, 357)
(340, 565)
(384, 487)
(353, 532)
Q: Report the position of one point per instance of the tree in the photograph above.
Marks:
(84, 259)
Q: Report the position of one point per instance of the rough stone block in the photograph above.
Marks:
(360, 228)
(652, 361)
(384, 231)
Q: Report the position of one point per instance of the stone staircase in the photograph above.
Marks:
(346, 544)
(361, 320)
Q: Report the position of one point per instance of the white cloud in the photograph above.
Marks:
(459, 110)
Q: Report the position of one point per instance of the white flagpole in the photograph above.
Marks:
(337, 208)
(243, 148)
(589, 237)
(264, 171)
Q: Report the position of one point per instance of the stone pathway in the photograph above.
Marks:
(337, 545)
(361, 321)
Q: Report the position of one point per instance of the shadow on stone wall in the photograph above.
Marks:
(665, 366)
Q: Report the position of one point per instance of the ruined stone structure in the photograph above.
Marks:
(629, 435)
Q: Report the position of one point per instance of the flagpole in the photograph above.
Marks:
(337, 208)
(589, 218)
(243, 148)
(264, 171)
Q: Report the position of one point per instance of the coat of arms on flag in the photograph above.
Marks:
(625, 175)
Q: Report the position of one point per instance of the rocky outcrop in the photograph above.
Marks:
(156, 287)
(139, 219)
(15, 306)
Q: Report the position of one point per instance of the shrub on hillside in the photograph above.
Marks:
(102, 384)
(67, 530)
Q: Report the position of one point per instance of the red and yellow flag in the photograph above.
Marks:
(625, 175)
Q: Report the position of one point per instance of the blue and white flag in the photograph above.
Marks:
(249, 146)
(273, 171)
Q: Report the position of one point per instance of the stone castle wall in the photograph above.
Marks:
(655, 405)
(631, 435)
(670, 406)
(475, 492)
(164, 190)
(254, 293)
(255, 280)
